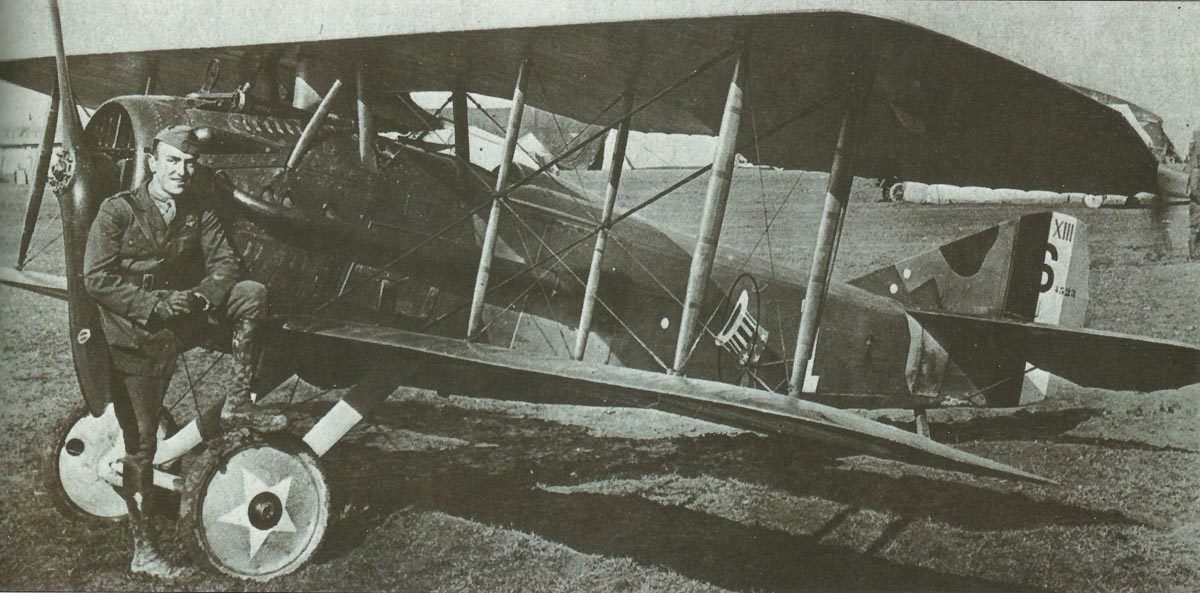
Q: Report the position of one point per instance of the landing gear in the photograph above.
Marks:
(81, 467)
(921, 416)
(254, 506)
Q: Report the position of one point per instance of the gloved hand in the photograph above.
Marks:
(172, 305)
(199, 302)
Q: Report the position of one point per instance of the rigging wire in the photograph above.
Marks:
(488, 114)
(198, 380)
(582, 282)
(191, 385)
(541, 287)
(528, 178)
(591, 213)
(808, 110)
(509, 306)
(42, 249)
(767, 224)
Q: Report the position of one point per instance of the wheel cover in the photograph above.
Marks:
(84, 460)
(264, 512)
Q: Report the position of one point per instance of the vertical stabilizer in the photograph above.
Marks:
(1062, 294)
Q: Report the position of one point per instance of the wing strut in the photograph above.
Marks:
(610, 200)
(714, 214)
(38, 190)
(462, 126)
(837, 197)
(151, 77)
(366, 123)
(462, 141)
(313, 126)
(489, 237)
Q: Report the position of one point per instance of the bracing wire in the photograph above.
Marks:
(528, 178)
(583, 282)
(808, 110)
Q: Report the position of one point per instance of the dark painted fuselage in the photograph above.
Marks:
(331, 238)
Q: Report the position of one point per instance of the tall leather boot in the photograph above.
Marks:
(238, 410)
(137, 478)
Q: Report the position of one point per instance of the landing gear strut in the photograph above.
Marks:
(921, 415)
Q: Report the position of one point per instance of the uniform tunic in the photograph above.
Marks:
(134, 257)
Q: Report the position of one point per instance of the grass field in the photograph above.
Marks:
(458, 494)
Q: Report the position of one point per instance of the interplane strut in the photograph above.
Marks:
(714, 214)
(314, 125)
(366, 121)
(610, 200)
(555, 255)
(837, 198)
(462, 137)
(488, 249)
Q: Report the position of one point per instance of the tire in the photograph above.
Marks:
(72, 462)
(262, 522)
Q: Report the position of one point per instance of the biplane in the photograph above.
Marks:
(394, 263)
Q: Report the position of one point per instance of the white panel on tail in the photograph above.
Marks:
(1060, 301)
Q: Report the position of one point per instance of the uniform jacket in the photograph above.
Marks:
(133, 257)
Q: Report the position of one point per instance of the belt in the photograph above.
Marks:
(151, 281)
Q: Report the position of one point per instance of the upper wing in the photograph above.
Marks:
(478, 369)
(47, 284)
(940, 110)
(1090, 358)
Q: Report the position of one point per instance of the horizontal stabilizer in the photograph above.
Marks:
(47, 284)
(477, 369)
(1090, 358)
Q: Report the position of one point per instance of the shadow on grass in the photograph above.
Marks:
(498, 485)
(1020, 425)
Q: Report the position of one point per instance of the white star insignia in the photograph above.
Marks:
(240, 515)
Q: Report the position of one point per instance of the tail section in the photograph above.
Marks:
(1033, 269)
(1091, 358)
(1062, 295)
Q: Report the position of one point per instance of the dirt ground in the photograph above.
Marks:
(459, 494)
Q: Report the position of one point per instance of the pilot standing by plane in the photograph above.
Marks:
(164, 274)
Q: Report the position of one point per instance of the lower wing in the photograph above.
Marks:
(46, 284)
(479, 369)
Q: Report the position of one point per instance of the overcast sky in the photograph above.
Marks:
(1147, 53)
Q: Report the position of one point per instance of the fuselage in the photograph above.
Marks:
(400, 247)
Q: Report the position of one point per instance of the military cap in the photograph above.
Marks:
(180, 136)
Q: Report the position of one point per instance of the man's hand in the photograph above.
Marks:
(172, 305)
(199, 302)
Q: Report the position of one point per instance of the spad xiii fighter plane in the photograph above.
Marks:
(396, 262)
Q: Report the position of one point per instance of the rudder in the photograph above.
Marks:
(1062, 294)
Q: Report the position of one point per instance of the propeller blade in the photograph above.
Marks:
(70, 128)
(81, 181)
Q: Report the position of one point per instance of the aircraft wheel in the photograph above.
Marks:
(254, 507)
(80, 466)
